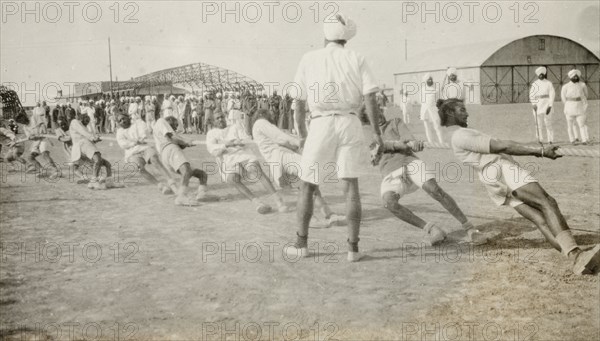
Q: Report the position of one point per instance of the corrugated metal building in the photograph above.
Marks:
(501, 71)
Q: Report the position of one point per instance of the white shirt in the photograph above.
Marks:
(334, 79)
(79, 135)
(216, 139)
(133, 111)
(167, 108)
(569, 93)
(453, 90)
(160, 131)
(39, 115)
(128, 138)
(429, 96)
(542, 94)
(270, 140)
(472, 148)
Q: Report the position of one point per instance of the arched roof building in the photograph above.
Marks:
(502, 71)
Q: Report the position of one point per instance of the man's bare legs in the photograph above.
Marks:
(534, 196)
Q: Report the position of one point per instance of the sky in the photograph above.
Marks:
(49, 45)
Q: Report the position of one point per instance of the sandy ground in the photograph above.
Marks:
(127, 264)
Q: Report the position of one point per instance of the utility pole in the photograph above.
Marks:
(110, 69)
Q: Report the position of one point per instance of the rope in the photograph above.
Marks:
(563, 151)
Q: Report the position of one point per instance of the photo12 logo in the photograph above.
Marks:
(469, 11)
(37, 12)
(267, 11)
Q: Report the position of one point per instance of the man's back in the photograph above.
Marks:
(334, 78)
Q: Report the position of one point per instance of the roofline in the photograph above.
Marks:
(503, 46)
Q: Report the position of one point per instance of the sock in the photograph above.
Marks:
(566, 241)
(301, 241)
(353, 246)
(468, 225)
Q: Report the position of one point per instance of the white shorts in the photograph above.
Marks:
(333, 147)
(501, 178)
(172, 157)
(234, 163)
(407, 179)
(40, 146)
(145, 154)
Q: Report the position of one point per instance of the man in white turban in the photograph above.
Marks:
(541, 96)
(429, 111)
(335, 137)
(453, 88)
(574, 94)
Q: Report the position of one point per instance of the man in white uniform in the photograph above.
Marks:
(429, 115)
(131, 137)
(574, 95)
(170, 145)
(510, 185)
(236, 159)
(39, 115)
(335, 138)
(541, 96)
(277, 147)
(454, 88)
(84, 144)
(167, 106)
(40, 146)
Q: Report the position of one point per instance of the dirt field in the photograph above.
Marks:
(127, 264)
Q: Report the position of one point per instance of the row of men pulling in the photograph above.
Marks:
(229, 144)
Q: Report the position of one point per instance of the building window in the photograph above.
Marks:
(542, 44)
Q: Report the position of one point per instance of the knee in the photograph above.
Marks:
(232, 179)
(390, 199)
(433, 189)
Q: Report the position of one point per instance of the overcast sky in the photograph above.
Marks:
(153, 35)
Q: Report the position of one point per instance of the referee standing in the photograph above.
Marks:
(333, 81)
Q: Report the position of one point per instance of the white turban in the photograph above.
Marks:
(540, 70)
(426, 77)
(574, 72)
(339, 28)
(451, 71)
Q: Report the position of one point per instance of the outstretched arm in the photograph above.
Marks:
(515, 148)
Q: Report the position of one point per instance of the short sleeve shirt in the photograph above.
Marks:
(334, 78)
(472, 148)
(160, 131)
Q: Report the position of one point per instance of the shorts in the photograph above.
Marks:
(333, 146)
(234, 163)
(407, 179)
(40, 146)
(501, 178)
(172, 157)
(145, 154)
(88, 149)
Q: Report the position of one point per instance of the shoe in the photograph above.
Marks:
(587, 262)
(82, 181)
(164, 189)
(110, 183)
(94, 184)
(297, 252)
(354, 256)
(262, 208)
(337, 220)
(185, 201)
(172, 185)
(282, 208)
(585, 143)
(435, 235)
(475, 237)
(205, 197)
(576, 142)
